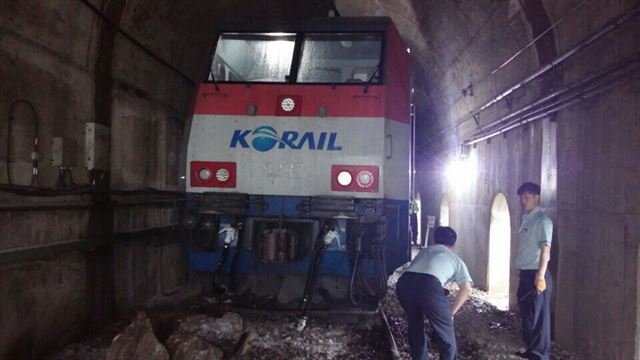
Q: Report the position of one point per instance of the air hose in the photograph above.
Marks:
(327, 237)
(376, 254)
(235, 260)
(230, 241)
(356, 263)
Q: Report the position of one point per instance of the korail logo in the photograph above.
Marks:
(265, 138)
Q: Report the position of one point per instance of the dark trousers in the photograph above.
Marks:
(413, 222)
(422, 295)
(535, 312)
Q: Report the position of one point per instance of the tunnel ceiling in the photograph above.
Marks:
(455, 45)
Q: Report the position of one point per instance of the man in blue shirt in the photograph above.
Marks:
(421, 294)
(534, 290)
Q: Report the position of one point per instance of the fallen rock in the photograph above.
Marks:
(81, 351)
(223, 331)
(137, 342)
(191, 347)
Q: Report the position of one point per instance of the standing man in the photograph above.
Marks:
(534, 290)
(413, 221)
(421, 294)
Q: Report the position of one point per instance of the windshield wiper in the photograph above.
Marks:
(370, 81)
(215, 82)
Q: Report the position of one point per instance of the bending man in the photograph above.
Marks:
(421, 294)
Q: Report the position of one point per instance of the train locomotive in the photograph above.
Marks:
(298, 162)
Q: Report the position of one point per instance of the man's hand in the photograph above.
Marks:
(540, 284)
(461, 297)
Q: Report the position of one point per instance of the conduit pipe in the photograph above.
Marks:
(563, 18)
(609, 27)
(629, 60)
(133, 40)
(555, 107)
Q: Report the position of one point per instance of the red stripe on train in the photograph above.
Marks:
(317, 100)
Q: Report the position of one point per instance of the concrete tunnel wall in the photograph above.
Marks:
(75, 68)
(585, 157)
(61, 57)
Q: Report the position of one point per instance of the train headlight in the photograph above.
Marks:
(364, 179)
(204, 174)
(213, 174)
(288, 104)
(344, 178)
(355, 178)
(222, 175)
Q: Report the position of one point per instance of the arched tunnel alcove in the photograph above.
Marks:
(499, 252)
(444, 212)
(532, 90)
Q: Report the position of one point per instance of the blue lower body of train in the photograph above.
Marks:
(282, 236)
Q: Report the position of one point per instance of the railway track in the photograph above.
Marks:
(327, 335)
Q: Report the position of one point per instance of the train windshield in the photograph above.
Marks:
(263, 57)
(341, 58)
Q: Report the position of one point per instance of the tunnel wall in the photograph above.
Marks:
(67, 271)
(585, 157)
(598, 199)
(598, 215)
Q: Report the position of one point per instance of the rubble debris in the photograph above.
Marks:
(81, 351)
(190, 347)
(94, 348)
(243, 344)
(223, 332)
(483, 332)
(276, 338)
(137, 342)
(495, 325)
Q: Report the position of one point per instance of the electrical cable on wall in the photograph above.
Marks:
(34, 154)
(609, 27)
(624, 71)
(543, 33)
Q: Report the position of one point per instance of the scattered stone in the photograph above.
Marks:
(191, 347)
(243, 344)
(137, 342)
(495, 325)
(80, 352)
(223, 332)
(276, 338)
